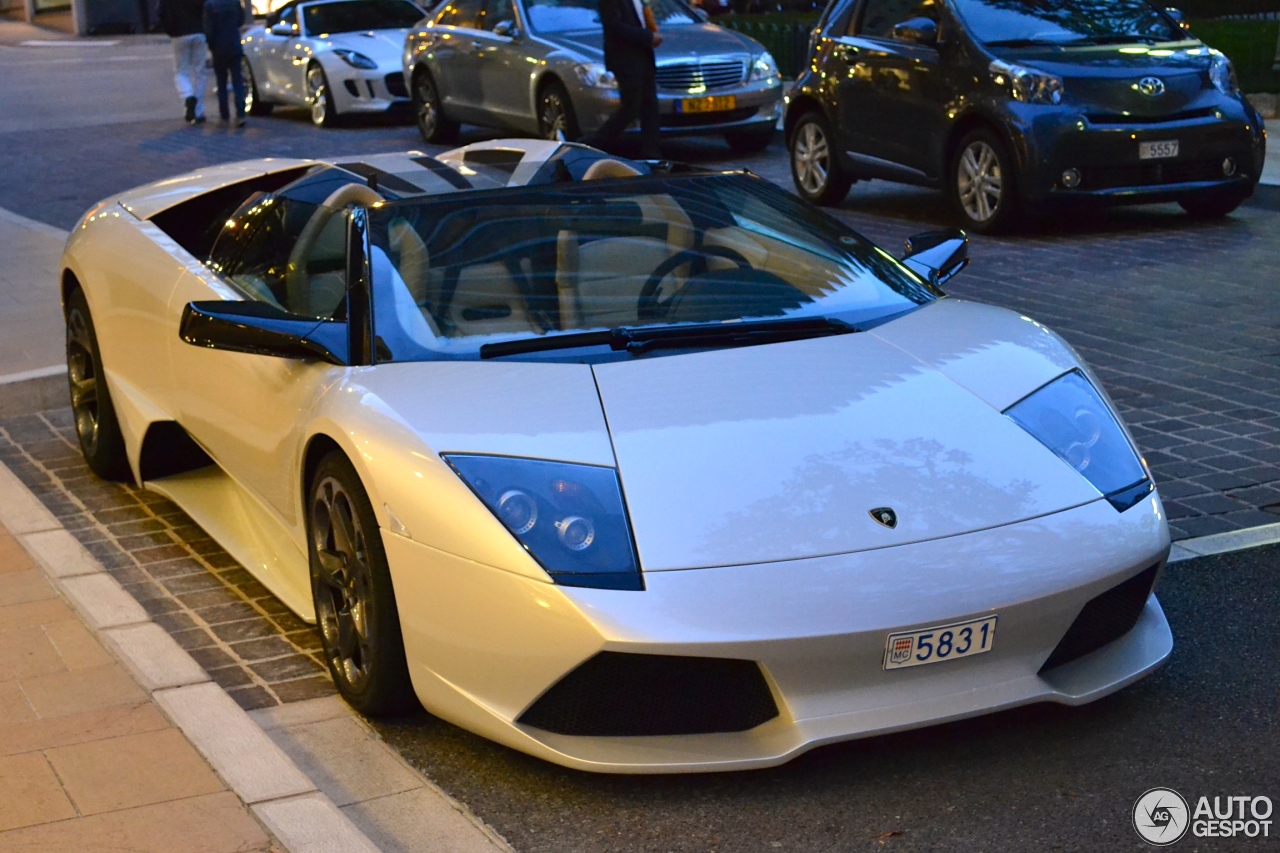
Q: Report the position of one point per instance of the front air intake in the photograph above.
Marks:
(1104, 619)
(619, 695)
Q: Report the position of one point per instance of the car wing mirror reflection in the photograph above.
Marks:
(507, 29)
(917, 31)
(262, 329)
(938, 256)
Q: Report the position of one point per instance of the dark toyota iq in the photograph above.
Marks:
(1017, 105)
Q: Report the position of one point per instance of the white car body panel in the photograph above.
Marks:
(699, 440)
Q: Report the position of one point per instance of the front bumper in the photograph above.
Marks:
(483, 645)
(1104, 151)
(356, 90)
(758, 105)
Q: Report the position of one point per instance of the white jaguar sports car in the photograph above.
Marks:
(630, 466)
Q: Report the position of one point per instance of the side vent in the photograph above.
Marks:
(168, 450)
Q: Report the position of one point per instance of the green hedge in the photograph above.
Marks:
(785, 36)
(1251, 45)
(1216, 8)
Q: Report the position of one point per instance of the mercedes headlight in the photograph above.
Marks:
(1069, 417)
(1223, 74)
(1027, 84)
(569, 517)
(763, 67)
(356, 59)
(595, 76)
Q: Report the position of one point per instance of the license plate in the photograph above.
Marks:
(941, 643)
(713, 104)
(1158, 150)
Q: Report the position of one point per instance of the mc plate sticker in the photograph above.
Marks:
(941, 643)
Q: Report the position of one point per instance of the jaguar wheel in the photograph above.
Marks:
(323, 111)
(432, 123)
(253, 103)
(95, 417)
(351, 587)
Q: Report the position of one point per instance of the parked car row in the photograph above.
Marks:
(532, 66)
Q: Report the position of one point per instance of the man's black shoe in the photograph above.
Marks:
(191, 111)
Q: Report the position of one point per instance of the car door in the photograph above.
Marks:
(893, 95)
(276, 50)
(455, 67)
(500, 60)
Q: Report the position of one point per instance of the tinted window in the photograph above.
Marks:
(284, 15)
(1062, 21)
(360, 15)
(880, 16)
(496, 11)
(555, 16)
(460, 13)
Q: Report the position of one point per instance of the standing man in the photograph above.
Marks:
(222, 22)
(182, 20)
(628, 54)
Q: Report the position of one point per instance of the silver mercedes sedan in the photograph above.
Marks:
(537, 66)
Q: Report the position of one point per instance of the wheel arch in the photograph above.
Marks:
(69, 284)
(970, 122)
(800, 106)
(319, 446)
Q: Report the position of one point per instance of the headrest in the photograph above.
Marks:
(352, 194)
(609, 169)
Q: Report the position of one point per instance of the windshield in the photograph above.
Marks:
(558, 16)
(1064, 21)
(459, 272)
(360, 15)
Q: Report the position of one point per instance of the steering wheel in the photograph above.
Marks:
(648, 307)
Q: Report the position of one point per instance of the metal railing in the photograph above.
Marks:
(788, 41)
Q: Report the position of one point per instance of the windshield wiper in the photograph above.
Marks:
(640, 339)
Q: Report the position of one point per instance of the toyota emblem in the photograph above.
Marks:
(1150, 86)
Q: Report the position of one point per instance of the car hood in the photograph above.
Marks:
(682, 42)
(382, 46)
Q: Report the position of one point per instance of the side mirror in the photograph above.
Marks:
(281, 29)
(701, 14)
(507, 29)
(938, 256)
(917, 31)
(262, 329)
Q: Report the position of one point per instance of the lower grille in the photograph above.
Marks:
(396, 87)
(1104, 619)
(1152, 174)
(703, 119)
(618, 695)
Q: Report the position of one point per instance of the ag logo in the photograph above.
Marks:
(1150, 86)
(885, 515)
(1161, 817)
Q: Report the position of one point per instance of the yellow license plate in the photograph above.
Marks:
(714, 104)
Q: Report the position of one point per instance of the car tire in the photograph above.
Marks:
(255, 106)
(556, 118)
(96, 424)
(320, 97)
(1211, 206)
(433, 125)
(983, 183)
(750, 140)
(352, 592)
(815, 164)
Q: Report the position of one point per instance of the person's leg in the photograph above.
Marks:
(182, 75)
(199, 71)
(220, 85)
(629, 96)
(237, 84)
(650, 120)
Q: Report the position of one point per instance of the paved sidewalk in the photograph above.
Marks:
(87, 760)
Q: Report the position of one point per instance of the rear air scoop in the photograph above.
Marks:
(780, 452)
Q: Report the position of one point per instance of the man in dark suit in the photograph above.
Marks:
(628, 54)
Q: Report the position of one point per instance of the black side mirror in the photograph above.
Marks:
(918, 31)
(262, 329)
(938, 256)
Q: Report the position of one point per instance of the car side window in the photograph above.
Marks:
(496, 11)
(879, 17)
(460, 13)
(284, 15)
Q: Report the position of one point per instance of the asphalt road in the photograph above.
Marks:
(1045, 777)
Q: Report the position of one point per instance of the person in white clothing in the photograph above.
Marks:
(183, 21)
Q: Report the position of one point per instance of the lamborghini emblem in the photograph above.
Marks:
(886, 516)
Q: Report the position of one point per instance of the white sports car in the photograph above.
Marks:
(334, 57)
(632, 467)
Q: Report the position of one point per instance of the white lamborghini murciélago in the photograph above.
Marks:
(632, 467)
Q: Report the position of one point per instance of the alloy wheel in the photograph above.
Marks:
(344, 582)
(811, 155)
(555, 120)
(82, 371)
(317, 94)
(250, 87)
(979, 181)
(428, 106)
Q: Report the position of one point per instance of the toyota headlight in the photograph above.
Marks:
(356, 59)
(1027, 84)
(1069, 417)
(1223, 74)
(569, 517)
(595, 76)
(763, 67)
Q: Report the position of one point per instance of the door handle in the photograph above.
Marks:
(477, 46)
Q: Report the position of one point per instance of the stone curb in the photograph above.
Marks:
(283, 798)
(33, 391)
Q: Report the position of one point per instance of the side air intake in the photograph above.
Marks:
(1104, 619)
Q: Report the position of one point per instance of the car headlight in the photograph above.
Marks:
(1027, 84)
(1069, 417)
(356, 59)
(595, 76)
(1223, 75)
(763, 67)
(569, 517)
